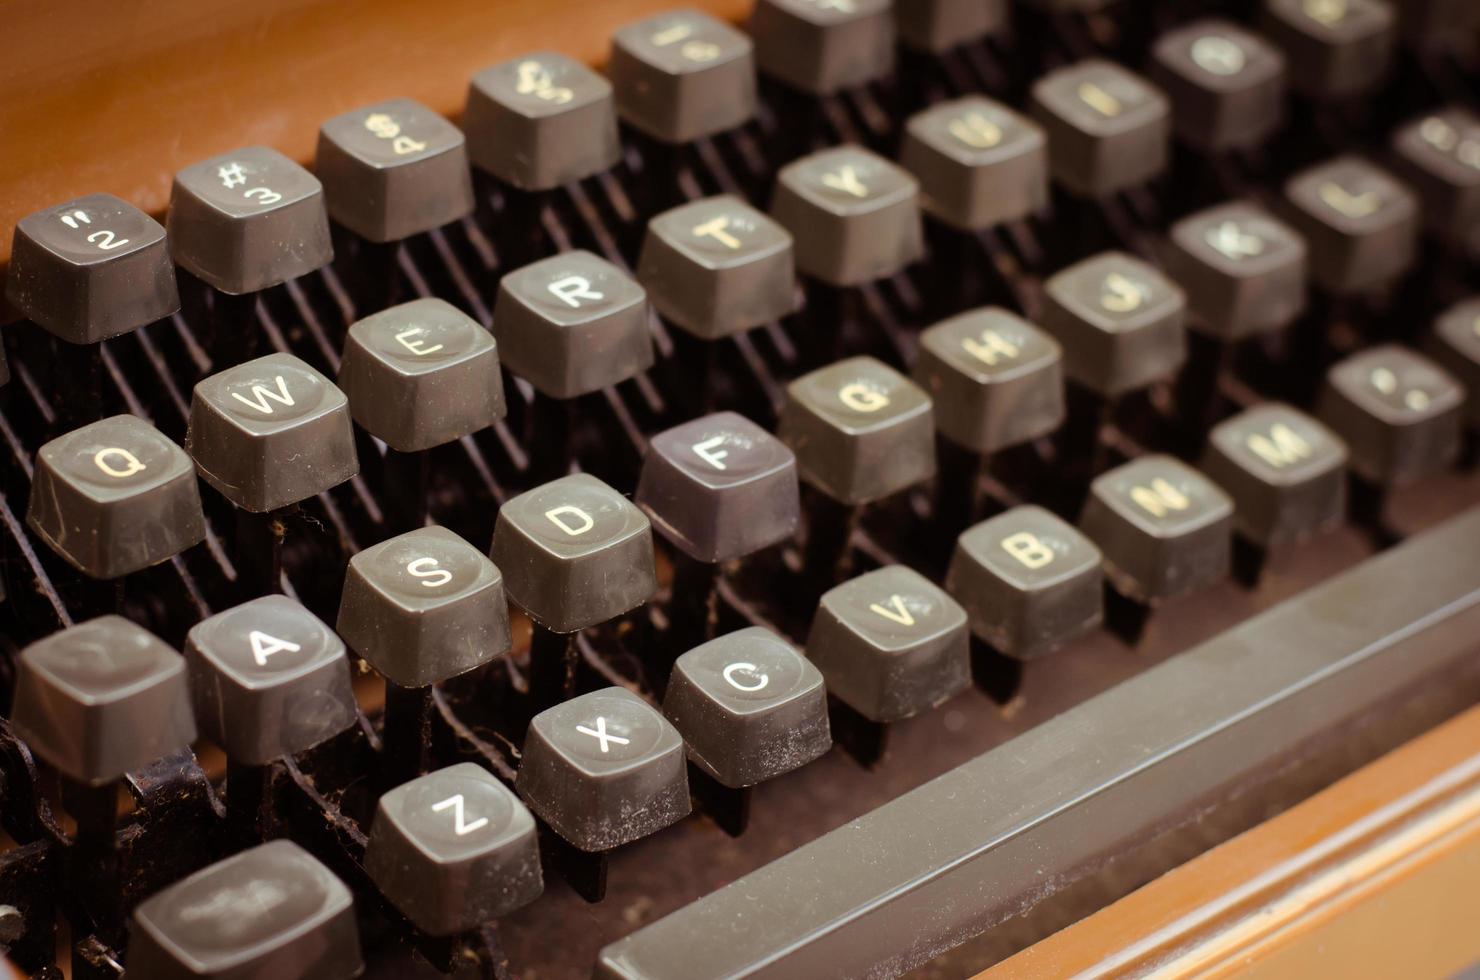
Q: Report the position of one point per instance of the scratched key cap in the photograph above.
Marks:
(979, 163)
(823, 46)
(576, 553)
(1398, 412)
(1242, 268)
(270, 432)
(860, 429)
(424, 606)
(393, 170)
(749, 707)
(114, 497)
(540, 121)
(454, 849)
(1226, 85)
(1120, 322)
(421, 374)
(682, 76)
(1359, 224)
(1455, 345)
(1285, 472)
(1163, 528)
(890, 644)
(247, 220)
(268, 679)
(1029, 582)
(1335, 48)
(273, 911)
(854, 215)
(994, 379)
(1438, 155)
(718, 267)
(102, 698)
(937, 26)
(719, 487)
(1108, 128)
(90, 269)
(572, 324)
(604, 769)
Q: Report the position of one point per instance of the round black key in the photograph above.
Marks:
(860, 429)
(749, 706)
(576, 553)
(979, 163)
(270, 432)
(393, 170)
(1438, 155)
(1398, 412)
(1336, 48)
(682, 76)
(1226, 85)
(1108, 128)
(247, 220)
(604, 769)
(823, 46)
(572, 324)
(937, 26)
(1285, 471)
(1120, 322)
(423, 607)
(268, 679)
(720, 487)
(273, 911)
(540, 121)
(454, 849)
(1029, 582)
(90, 269)
(995, 380)
(854, 215)
(1360, 225)
(114, 497)
(890, 644)
(1164, 528)
(1243, 270)
(717, 267)
(102, 698)
(421, 374)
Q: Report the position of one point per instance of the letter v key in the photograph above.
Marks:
(898, 614)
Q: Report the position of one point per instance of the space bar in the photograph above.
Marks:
(986, 840)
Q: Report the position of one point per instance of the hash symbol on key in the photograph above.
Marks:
(600, 733)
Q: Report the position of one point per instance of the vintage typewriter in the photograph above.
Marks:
(802, 488)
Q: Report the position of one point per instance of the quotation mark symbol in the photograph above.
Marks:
(70, 220)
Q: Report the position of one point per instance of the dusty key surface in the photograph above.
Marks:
(682, 76)
(717, 267)
(273, 911)
(749, 707)
(421, 374)
(393, 169)
(270, 432)
(101, 699)
(890, 643)
(268, 679)
(91, 268)
(720, 487)
(114, 497)
(423, 607)
(978, 162)
(604, 769)
(1108, 128)
(247, 220)
(576, 553)
(1028, 581)
(541, 120)
(1243, 270)
(1226, 85)
(454, 849)
(1360, 225)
